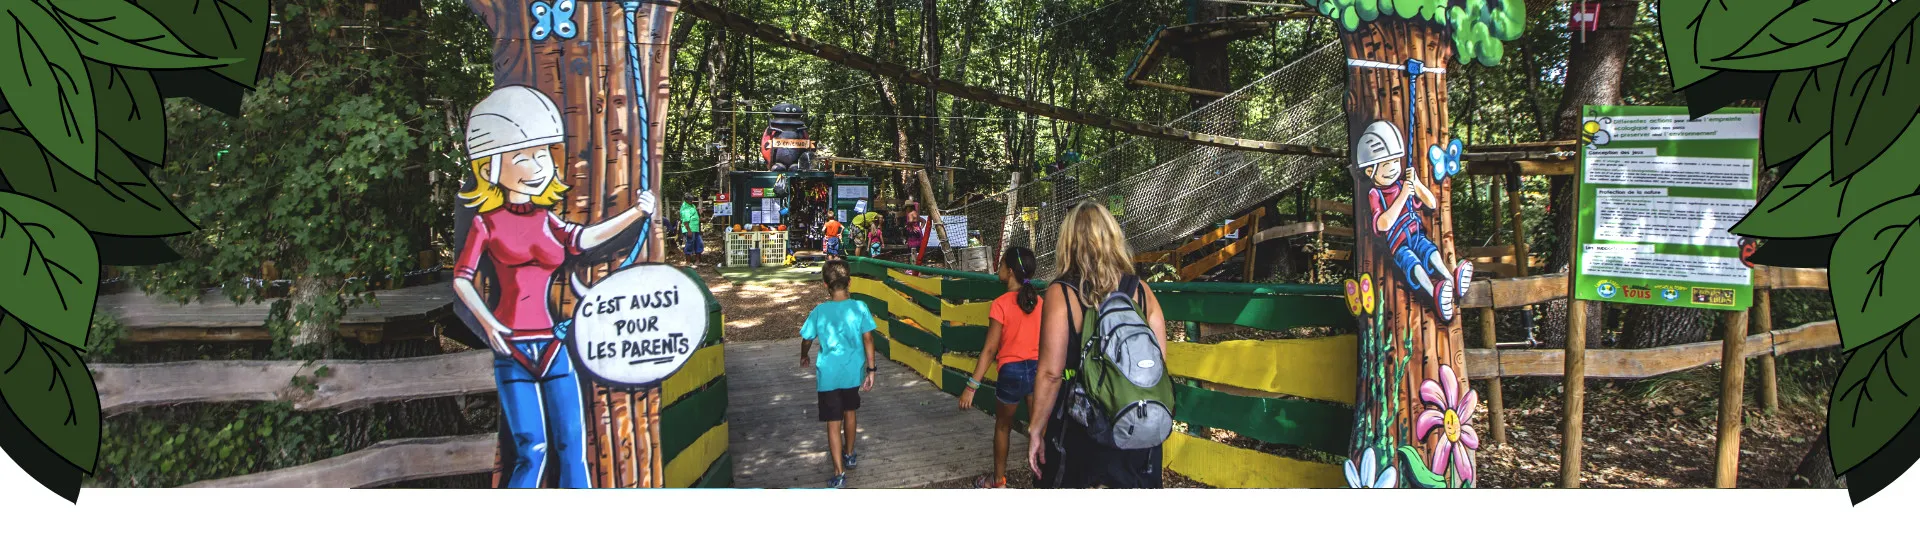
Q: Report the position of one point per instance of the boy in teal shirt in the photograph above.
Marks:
(844, 328)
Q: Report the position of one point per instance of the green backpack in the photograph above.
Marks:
(1121, 392)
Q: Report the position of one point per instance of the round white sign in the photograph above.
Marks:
(639, 325)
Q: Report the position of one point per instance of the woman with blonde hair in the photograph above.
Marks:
(517, 183)
(1093, 262)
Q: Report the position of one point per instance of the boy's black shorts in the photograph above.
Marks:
(835, 404)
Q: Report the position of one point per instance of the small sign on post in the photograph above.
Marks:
(1586, 18)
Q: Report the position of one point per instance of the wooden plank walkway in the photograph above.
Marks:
(404, 313)
(910, 434)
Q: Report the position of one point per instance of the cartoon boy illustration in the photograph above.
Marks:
(516, 231)
(1380, 157)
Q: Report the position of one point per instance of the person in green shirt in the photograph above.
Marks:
(690, 232)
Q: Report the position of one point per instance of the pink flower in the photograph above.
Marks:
(1451, 412)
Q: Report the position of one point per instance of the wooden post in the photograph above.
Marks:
(1575, 388)
(1521, 265)
(1320, 240)
(1496, 395)
(1252, 247)
(933, 210)
(1733, 375)
(1495, 402)
(1762, 324)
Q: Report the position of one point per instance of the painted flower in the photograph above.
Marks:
(1363, 475)
(1450, 410)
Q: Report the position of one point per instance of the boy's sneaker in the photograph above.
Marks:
(1443, 302)
(850, 460)
(985, 481)
(838, 481)
(1462, 276)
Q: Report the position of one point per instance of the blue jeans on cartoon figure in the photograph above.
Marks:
(1412, 252)
(541, 412)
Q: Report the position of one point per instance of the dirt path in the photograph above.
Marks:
(765, 304)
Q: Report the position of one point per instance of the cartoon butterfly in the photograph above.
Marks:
(1446, 161)
(555, 19)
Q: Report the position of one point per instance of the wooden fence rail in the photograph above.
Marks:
(347, 384)
(1519, 292)
(380, 464)
(1628, 364)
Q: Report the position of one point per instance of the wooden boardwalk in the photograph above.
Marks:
(910, 435)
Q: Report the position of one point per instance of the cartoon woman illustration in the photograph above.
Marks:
(517, 183)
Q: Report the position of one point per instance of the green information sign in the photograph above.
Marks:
(1657, 195)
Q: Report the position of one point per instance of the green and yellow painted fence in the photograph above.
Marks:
(1294, 393)
(693, 414)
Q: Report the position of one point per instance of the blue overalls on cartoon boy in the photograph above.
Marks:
(1397, 197)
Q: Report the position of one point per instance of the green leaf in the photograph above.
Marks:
(123, 34)
(46, 384)
(1874, 266)
(1875, 396)
(1808, 202)
(129, 109)
(33, 456)
(46, 83)
(48, 268)
(1695, 31)
(233, 29)
(1809, 35)
(1879, 89)
(1799, 113)
(119, 200)
(1422, 477)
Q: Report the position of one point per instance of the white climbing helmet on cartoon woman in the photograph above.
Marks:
(512, 118)
(1380, 142)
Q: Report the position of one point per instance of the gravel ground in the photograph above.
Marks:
(1639, 442)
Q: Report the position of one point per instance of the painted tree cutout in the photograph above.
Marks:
(1414, 408)
(602, 66)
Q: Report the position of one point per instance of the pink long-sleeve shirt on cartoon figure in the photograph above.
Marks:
(526, 244)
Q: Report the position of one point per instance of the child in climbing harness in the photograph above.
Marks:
(844, 328)
(1013, 342)
(1397, 196)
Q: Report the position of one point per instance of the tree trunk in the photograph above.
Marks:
(1594, 72)
(1405, 342)
(1816, 468)
(957, 127)
(317, 329)
(1207, 62)
(615, 134)
(930, 35)
(720, 92)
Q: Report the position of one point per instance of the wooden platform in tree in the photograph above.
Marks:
(910, 434)
(399, 314)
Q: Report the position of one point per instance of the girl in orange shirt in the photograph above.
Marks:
(1013, 341)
